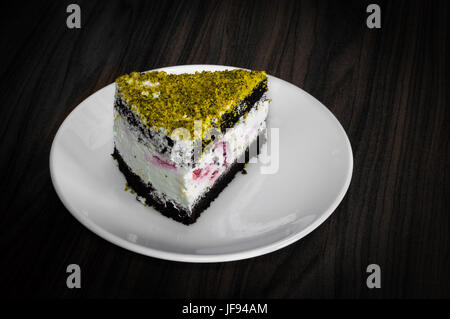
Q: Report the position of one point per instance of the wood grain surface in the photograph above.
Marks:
(388, 87)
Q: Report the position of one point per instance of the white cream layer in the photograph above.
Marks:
(184, 185)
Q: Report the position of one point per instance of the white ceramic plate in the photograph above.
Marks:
(256, 214)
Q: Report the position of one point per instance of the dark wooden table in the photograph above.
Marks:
(388, 87)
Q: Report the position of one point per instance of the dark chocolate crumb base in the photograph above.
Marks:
(169, 210)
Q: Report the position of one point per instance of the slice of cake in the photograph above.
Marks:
(180, 139)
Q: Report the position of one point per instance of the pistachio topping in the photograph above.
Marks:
(169, 101)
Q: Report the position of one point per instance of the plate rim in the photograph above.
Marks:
(203, 258)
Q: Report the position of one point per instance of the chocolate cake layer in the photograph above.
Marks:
(231, 118)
